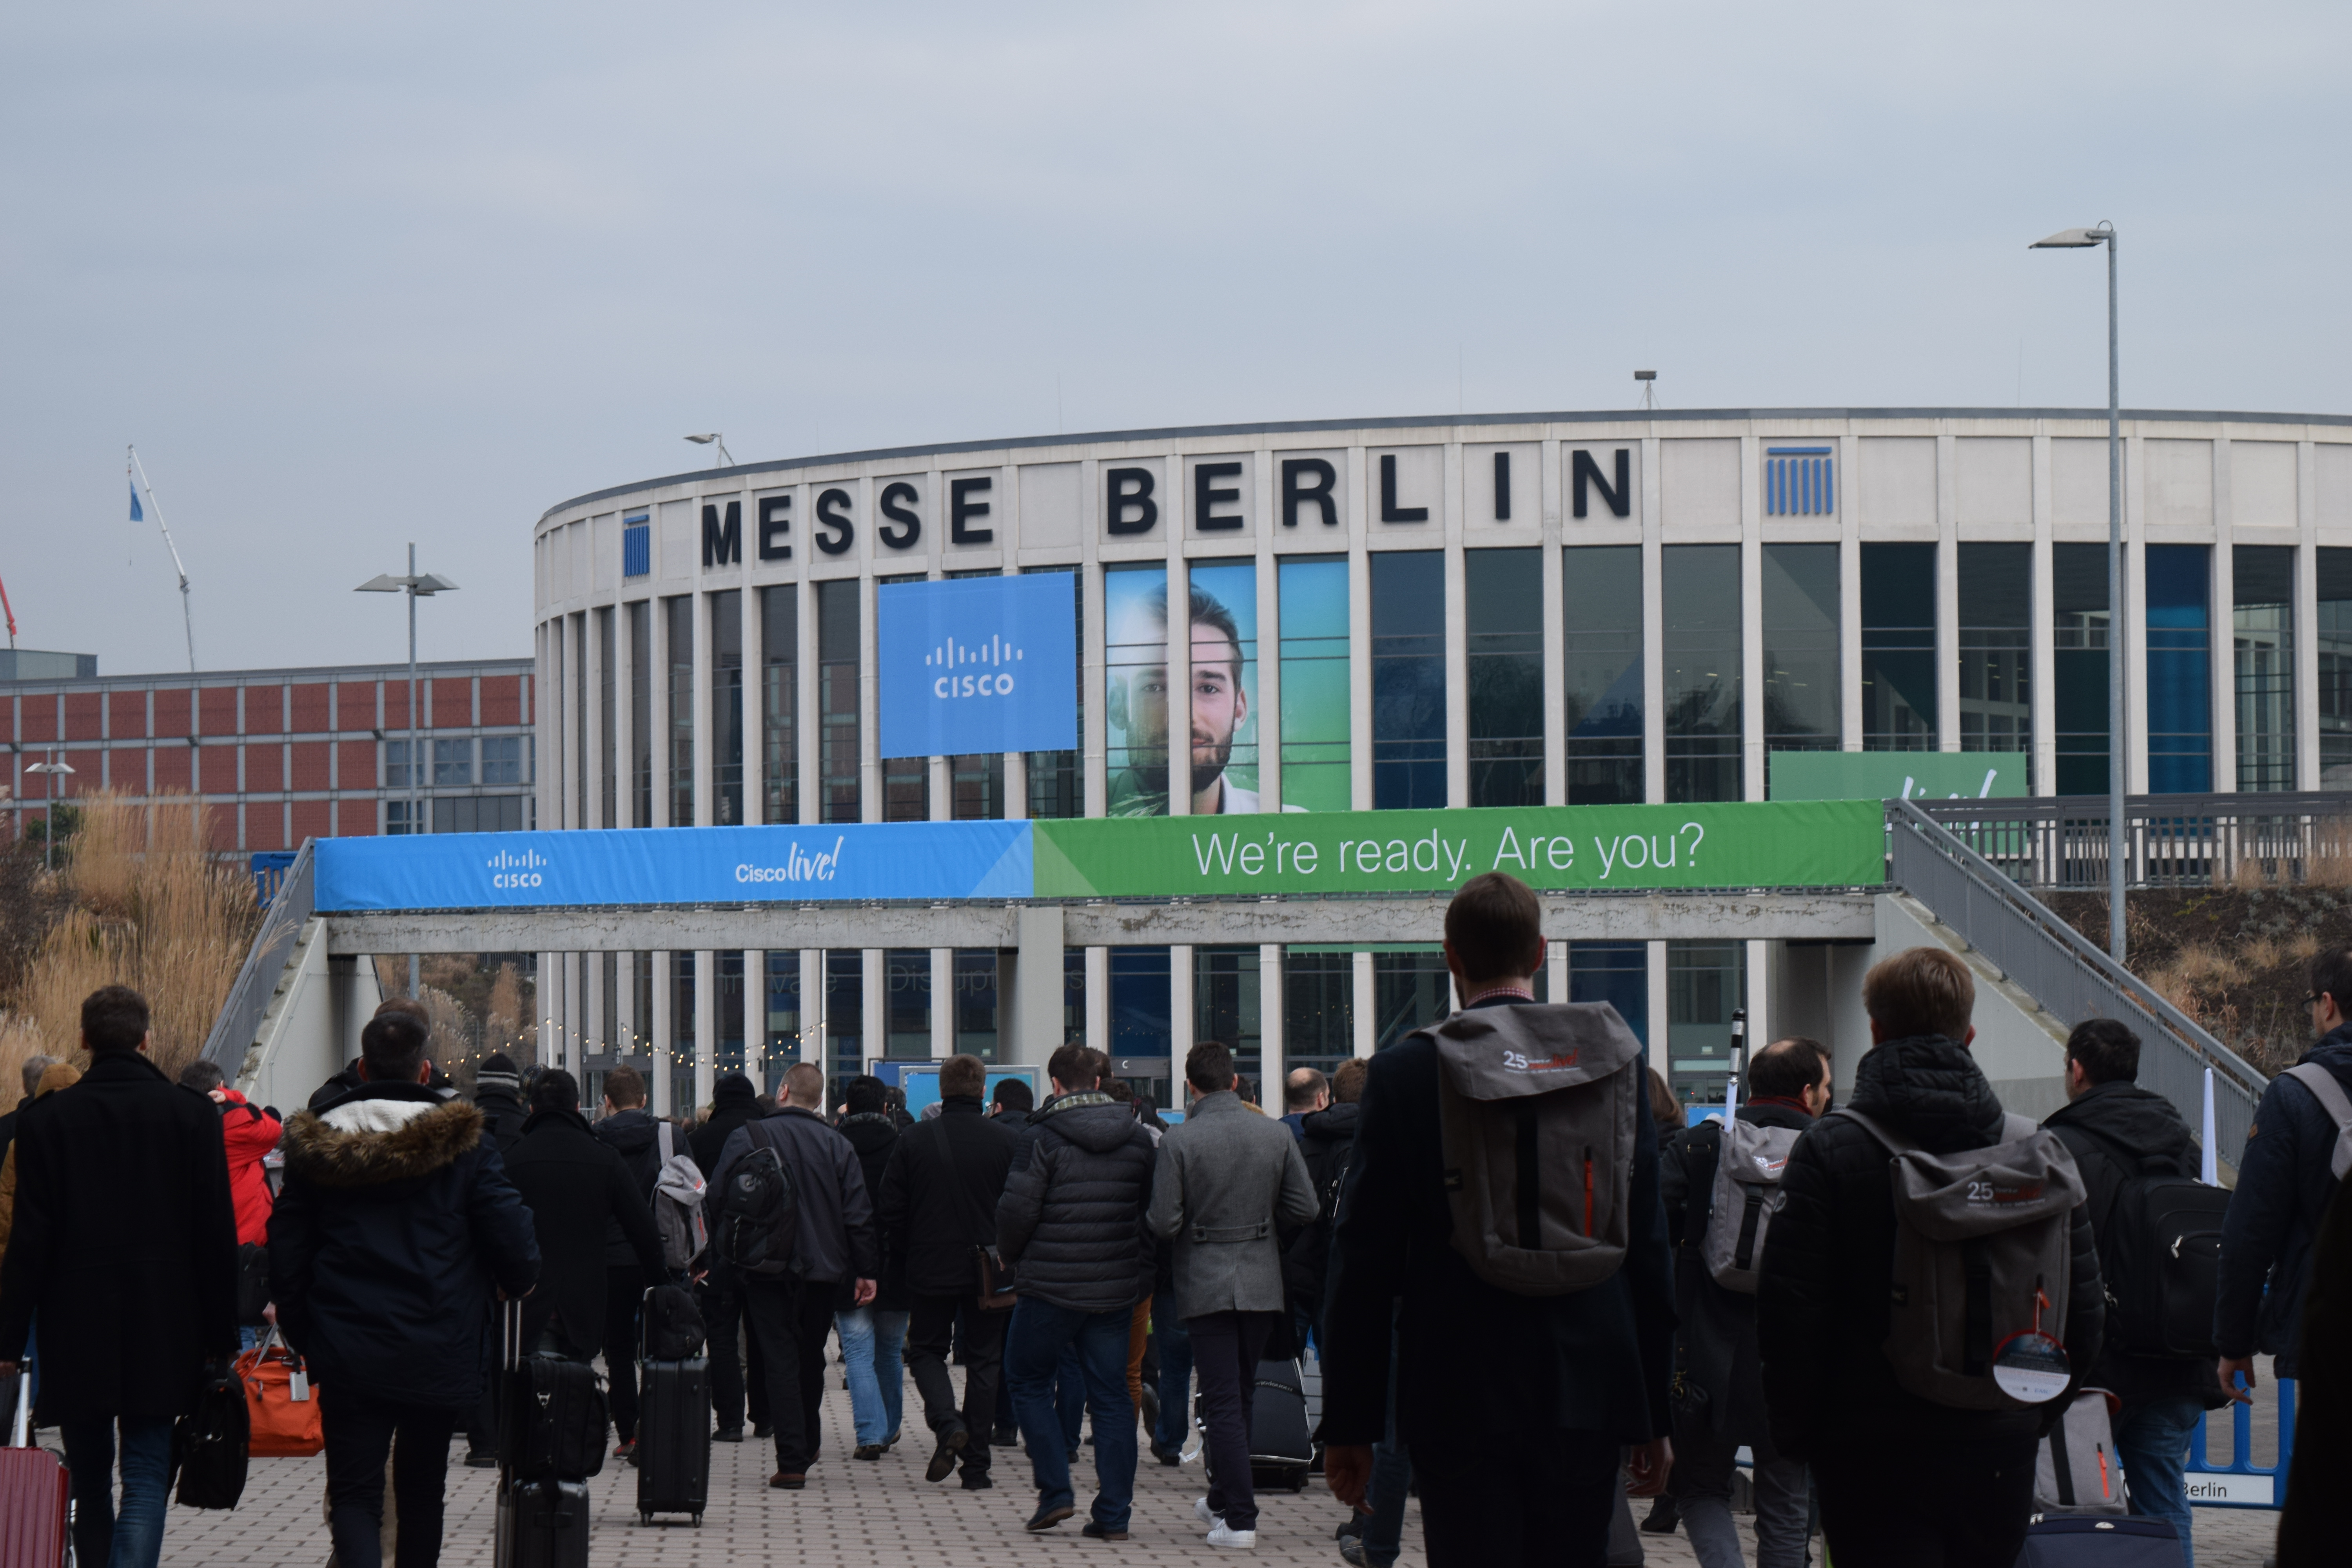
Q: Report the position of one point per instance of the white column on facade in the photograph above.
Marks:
(1555, 638)
(1182, 1028)
(547, 1003)
(1948, 600)
(755, 1014)
(592, 677)
(869, 711)
(873, 973)
(625, 1022)
(1180, 651)
(625, 783)
(1098, 999)
(1366, 999)
(1360, 639)
(755, 645)
(2306, 618)
(1457, 634)
(1270, 1045)
(1093, 759)
(665, 1009)
(596, 1029)
(1661, 1045)
(808, 724)
(943, 1003)
(2222, 616)
(705, 743)
(2042, 635)
(1751, 620)
(1758, 998)
(657, 713)
(813, 1002)
(1653, 632)
(1266, 701)
(2127, 622)
(1849, 517)
(706, 1026)
(1556, 971)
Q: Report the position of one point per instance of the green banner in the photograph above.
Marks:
(1897, 776)
(1581, 848)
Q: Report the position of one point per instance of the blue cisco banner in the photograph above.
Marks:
(678, 866)
(978, 664)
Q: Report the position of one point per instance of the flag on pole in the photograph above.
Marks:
(136, 514)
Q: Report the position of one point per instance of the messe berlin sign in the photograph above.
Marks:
(976, 665)
(1576, 849)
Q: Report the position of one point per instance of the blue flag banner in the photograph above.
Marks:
(976, 665)
(136, 515)
(677, 865)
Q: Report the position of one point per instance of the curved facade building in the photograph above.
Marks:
(1462, 611)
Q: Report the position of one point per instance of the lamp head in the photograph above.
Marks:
(2076, 238)
(704, 440)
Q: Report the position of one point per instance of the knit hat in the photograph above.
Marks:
(498, 1071)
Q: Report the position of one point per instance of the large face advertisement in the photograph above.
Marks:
(1222, 709)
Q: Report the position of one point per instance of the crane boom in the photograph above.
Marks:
(187, 615)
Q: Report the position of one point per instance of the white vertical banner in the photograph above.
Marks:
(2210, 1171)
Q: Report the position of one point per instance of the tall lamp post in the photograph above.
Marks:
(2085, 239)
(50, 820)
(415, 587)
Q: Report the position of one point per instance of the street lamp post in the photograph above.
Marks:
(49, 821)
(415, 587)
(2084, 240)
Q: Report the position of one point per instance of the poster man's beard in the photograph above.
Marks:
(1154, 777)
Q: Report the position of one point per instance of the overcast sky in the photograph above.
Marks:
(354, 275)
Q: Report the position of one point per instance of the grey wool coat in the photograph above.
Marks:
(1227, 1178)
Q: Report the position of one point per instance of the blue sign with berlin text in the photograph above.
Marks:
(926, 861)
(977, 665)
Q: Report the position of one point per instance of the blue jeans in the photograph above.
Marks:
(874, 1343)
(1175, 1372)
(132, 1538)
(1034, 1344)
(2152, 1439)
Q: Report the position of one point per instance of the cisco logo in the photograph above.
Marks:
(982, 667)
(513, 872)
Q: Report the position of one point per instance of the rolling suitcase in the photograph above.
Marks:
(36, 1495)
(1282, 1440)
(2082, 1541)
(543, 1521)
(673, 1423)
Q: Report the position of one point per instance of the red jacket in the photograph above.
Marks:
(249, 1133)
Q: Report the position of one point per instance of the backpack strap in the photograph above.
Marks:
(661, 1140)
(1895, 1141)
(2330, 1095)
(2062, 1468)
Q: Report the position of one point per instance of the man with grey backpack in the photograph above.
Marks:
(1504, 1190)
(1725, 1181)
(1931, 1293)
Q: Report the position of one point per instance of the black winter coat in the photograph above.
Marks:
(836, 1244)
(1717, 1348)
(934, 1211)
(635, 1137)
(1072, 1216)
(2116, 1131)
(874, 1134)
(1822, 1302)
(576, 1187)
(1325, 1139)
(125, 1240)
(2311, 1531)
(395, 1223)
(2283, 1193)
(1477, 1363)
(502, 1115)
(733, 1104)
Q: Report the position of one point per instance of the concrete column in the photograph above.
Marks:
(812, 1007)
(595, 1028)
(2042, 636)
(1661, 1054)
(1359, 648)
(755, 1013)
(874, 1037)
(943, 1000)
(1457, 667)
(1556, 971)
(1759, 993)
(754, 637)
(807, 728)
(1948, 597)
(1266, 701)
(706, 743)
(663, 995)
(1271, 1053)
(626, 1024)
(2307, 619)
(869, 711)
(2221, 615)
(1098, 999)
(1095, 782)
(1751, 661)
(1367, 1032)
(1037, 979)
(1183, 1029)
(657, 672)
(1180, 656)
(706, 1024)
(1654, 633)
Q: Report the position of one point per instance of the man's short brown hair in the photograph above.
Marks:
(113, 1018)
(408, 1005)
(965, 1075)
(805, 1084)
(625, 1088)
(1920, 991)
(1495, 928)
(1075, 1067)
(1209, 1066)
(1348, 1080)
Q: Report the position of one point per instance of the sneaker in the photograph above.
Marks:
(870, 1451)
(1351, 1551)
(1045, 1518)
(1353, 1527)
(943, 1459)
(891, 1441)
(1201, 1511)
(1095, 1529)
(1233, 1540)
(627, 1449)
(728, 1435)
(788, 1481)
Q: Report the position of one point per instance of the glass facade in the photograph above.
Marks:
(1702, 652)
(1996, 646)
(1705, 981)
(844, 1016)
(1316, 707)
(2332, 629)
(1408, 679)
(1602, 597)
(1318, 1007)
(1057, 786)
(677, 649)
(780, 701)
(977, 1020)
(1225, 1005)
(729, 1056)
(905, 781)
(1139, 1014)
(1135, 689)
(641, 715)
(836, 700)
(1801, 647)
(783, 1031)
(1898, 647)
(2180, 669)
(907, 1004)
(1411, 990)
(1617, 973)
(727, 708)
(2261, 630)
(2078, 609)
(1503, 639)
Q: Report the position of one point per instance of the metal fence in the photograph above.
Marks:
(2170, 840)
(2070, 977)
(265, 964)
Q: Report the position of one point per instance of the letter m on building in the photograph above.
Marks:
(722, 542)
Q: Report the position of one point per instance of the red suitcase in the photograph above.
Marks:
(36, 1497)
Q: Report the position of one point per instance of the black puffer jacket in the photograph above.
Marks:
(732, 1103)
(1072, 1216)
(1324, 1138)
(2115, 1132)
(933, 1211)
(635, 1137)
(1821, 1303)
(501, 1108)
(874, 1134)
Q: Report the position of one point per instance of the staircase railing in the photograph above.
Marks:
(2070, 977)
(264, 962)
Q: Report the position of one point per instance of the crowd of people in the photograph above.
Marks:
(1534, 1292)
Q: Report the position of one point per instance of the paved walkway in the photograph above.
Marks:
(883, 1514)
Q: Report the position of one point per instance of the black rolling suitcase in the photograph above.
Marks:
(1282, 1441)
(542, 1520)
(673, 1408)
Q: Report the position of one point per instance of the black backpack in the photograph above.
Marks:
(759, 1216)
(2161, 1260)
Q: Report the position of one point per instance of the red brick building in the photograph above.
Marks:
(281, 755)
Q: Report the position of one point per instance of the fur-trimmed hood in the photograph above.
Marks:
(367, 1141)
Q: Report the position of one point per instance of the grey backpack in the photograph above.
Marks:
(1746, 1196)
(679, 1193)
(1535, 1108)
(2330, 1095)
(1979, 1233)
(2076, 1470)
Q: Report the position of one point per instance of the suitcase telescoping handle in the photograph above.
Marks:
(20, 1428)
